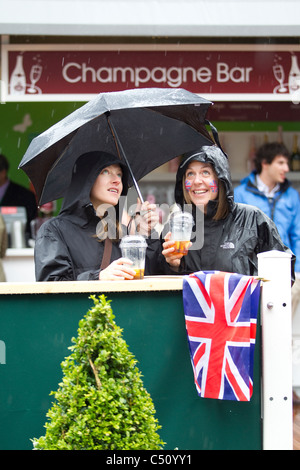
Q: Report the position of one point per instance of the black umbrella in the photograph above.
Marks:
(143, 127)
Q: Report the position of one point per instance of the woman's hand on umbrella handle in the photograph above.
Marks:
(146, 217)
(118, 270)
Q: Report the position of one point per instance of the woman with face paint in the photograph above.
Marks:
(227, 236)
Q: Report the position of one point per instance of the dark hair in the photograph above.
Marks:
(268, 152)
(4, 165)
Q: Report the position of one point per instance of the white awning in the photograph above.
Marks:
(215, 18)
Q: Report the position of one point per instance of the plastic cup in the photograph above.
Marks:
(181, 225)
(134, 248)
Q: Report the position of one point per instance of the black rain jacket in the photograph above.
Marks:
(66, 247)
(230, 244)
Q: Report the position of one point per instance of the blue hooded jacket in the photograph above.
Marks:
(283, 209)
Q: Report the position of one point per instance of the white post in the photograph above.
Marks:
(276, 319)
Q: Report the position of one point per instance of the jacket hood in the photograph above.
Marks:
(85, 171)
(206, 154)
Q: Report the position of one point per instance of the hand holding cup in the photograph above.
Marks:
(177, 241)
(134, 247)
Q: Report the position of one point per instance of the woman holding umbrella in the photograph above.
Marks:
(82, 242)
(233, 234)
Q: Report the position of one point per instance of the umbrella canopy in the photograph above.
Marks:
(144, 127)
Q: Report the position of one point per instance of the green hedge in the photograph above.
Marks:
(101, 403)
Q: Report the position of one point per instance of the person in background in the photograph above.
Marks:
(3, 246)
(82, 242)
(233, 234)
(268, 189)
(45, 212)
(13, 194)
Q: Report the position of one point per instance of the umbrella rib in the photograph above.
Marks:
(120, 147)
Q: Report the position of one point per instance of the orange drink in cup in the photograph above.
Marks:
(181, 246)
(134, 248)
(181, 225)
(139, 273)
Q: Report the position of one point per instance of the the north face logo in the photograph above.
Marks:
(227, 246)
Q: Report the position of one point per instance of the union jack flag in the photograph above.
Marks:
(220, 315)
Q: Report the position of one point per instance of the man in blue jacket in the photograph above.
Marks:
(268, 189)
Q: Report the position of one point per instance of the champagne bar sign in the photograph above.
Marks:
(217, 72)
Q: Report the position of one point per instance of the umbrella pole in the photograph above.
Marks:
(120, 146)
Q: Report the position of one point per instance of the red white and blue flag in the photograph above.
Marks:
(221, 315)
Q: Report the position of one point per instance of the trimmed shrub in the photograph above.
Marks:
(101, 403)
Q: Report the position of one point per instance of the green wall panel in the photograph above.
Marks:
(37, 331)
(21, 122)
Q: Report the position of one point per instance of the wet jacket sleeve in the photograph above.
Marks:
(53, 261)
(269, 239)
(155, 262)
(51, 256)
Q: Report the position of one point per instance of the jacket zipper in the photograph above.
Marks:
(272, 201)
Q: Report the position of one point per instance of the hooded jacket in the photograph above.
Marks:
(283, 209)
(66, 246)
(230, 244)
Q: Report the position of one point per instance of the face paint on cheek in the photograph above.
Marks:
(214, 186)
(187, 185)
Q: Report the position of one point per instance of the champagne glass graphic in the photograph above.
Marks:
(279, 75)
(35, 75)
